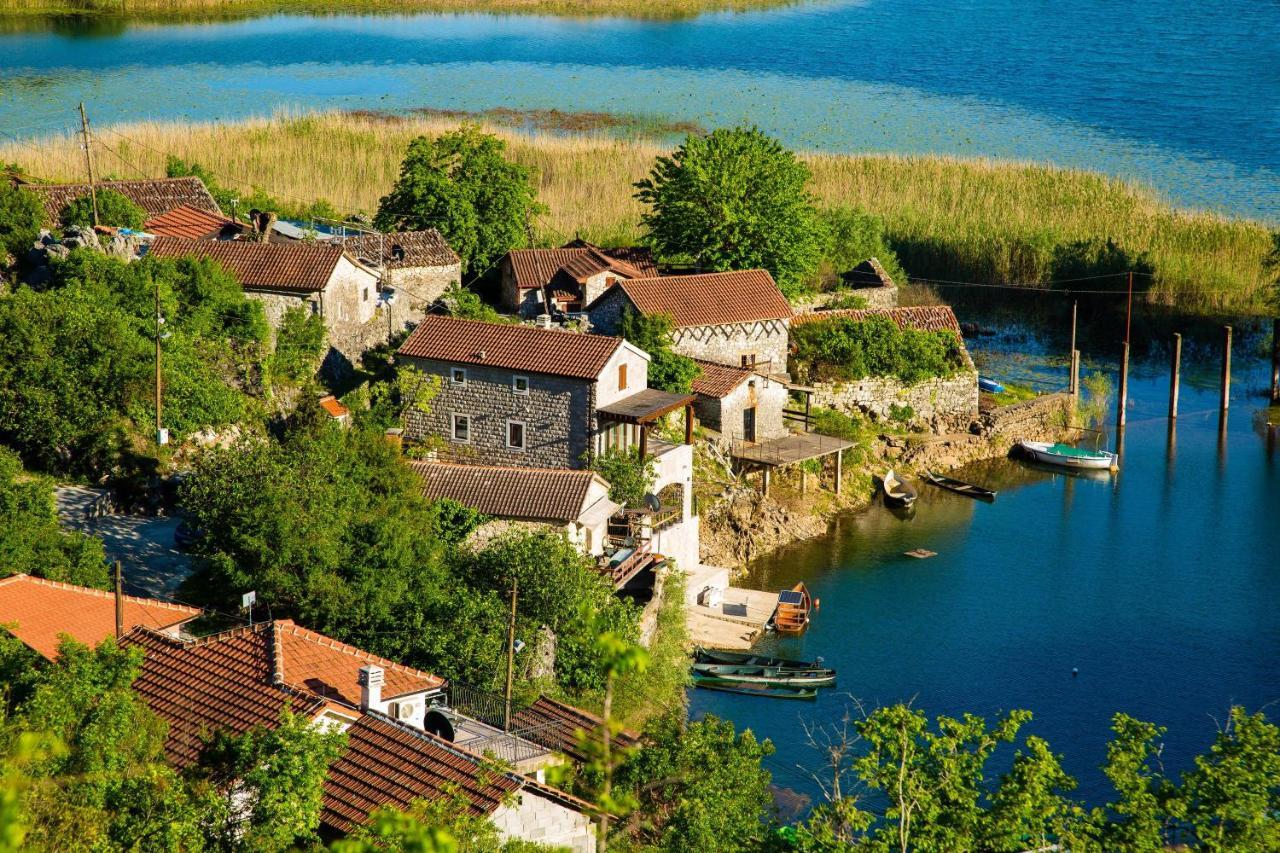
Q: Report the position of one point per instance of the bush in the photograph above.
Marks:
(668, 370)
(853, 236)
(113, 209)
(21, 218)
(630, 478)
(299, 345)
(842, 348)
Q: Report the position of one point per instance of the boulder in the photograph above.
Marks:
(79, 236)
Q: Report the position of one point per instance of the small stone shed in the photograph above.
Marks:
(417, 266)
(740, 403)
(870, 281)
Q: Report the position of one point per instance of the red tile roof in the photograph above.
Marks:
(718, 380)
(186, 221)
(155, 196)
(527, 494)
(556, 726)
(512, 347)
(333, 407)
(706, 299)
(310, 661)
(40, 612)
(925, 318)
(300, 267)
(402, 249)
(578, 260)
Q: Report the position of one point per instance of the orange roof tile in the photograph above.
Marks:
(154, 196)
(521, 348)
(296, 266)
(578, 260)
(333, 407)
(187, 221)
(706, 299)
(556, 725)
(924, 318)
(321, 665)
(529, 494)
(717, 380)
(40, 612)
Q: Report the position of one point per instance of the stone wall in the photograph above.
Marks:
(766, 340)
(531, 817)
(876, 297)
(556, 412)
(423, 285)
(768, 396)
(942, 405)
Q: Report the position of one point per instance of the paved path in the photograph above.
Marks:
(143, 544)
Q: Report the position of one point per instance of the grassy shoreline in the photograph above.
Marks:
(948, 218)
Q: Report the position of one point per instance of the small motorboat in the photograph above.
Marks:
(701, 655)
(989, 385)
(960, 487)
(1068, 456)
(791, 616)
(773, 691)
(897, 492)
(764, 675)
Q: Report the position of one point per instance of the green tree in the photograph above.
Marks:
(467, 305)
(31, 538)
(462, 184)
(1031, 809)
(21, 218)
(113, 209)
(668, 370)
(1138, 819)
(299, 346)
(734, 199)
(853, 236)
(630, 477)
(1232, 796)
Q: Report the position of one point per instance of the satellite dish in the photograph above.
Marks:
(439, 724)
(652, 502)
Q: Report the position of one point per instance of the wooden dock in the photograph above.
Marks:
(736, 623)
(790, 450)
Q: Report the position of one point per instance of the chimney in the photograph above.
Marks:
(370, 679)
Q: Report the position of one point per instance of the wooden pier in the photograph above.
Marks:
(789, 450)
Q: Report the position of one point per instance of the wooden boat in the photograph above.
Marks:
(764, 675)
(701, 655)
(960, 487)
(775, 691)
(989, 385)
(791, 616)
(897, 492)
(1068, 456)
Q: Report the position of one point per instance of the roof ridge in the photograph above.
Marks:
(210, 639)
(100, 593)
(468, 466)
(325, 641)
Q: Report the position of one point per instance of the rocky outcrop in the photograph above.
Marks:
(993, 435)
(746, 524)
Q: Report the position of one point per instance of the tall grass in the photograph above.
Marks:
(948, 218)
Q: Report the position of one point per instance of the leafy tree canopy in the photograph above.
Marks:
(668, 370)
(630, 477)
(113, 209)
(21, 218)
(841, 348)
(462, 184)
(853, 236)
(735, 199)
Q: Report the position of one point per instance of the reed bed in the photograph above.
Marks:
(951, 219)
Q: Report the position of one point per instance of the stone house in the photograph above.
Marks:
(575, 502)
(417, 266)
(322, 278)
(740, 403)
(155, 196)
(737, 318)
(545, 281)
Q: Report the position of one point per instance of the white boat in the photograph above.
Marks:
(1069, 456)
(897, 492)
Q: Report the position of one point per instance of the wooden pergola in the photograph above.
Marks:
(647, 407)
(790, 450)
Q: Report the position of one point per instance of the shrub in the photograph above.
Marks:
(843, 348)
(668, 370)
(21, 218)
(113, 209)
(299, 345)
(630, 478)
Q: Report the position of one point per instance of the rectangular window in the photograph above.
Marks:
(622, 377)
(520, 384)
(458, 376)
(749, 359)
(366, 295)
(515, 435)
(462, 428)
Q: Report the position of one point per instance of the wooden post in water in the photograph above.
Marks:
(1174, 369)
(1074, 387)
(1075, 372)
(1226, 369)
(839, 471)
(1275, 362)
(1123, 402)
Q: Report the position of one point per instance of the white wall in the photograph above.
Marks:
(637, 362)
(533, 818)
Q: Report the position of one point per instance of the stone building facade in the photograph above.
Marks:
(540, 281)
(741, 405)
(417, 266)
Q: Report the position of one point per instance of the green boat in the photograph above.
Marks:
(702, 655)
(765, 675)
(773, 691)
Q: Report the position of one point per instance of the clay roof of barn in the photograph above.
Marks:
(40, 612)
(155, 196)
(296, 266)
(510, 346)
(416, 249)
(530, 494)
(706, 299)
(718, 380)
(925, 318)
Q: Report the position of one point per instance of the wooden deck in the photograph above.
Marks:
(736, 624)
(790, 449)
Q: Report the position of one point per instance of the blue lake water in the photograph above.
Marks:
(1184, 96)
(1161, 584)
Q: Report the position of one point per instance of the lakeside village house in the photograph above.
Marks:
(411, 735)
(563, 280)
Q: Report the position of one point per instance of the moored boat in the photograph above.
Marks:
(960, 487)
(775, 691)
(1069, 456)
(701, 655)
(791, 616)
(764, 675)
(989, 385)
(897, 492)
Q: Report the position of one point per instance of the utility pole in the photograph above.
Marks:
(511, 658)
(161, 437)
(119, 601)
(1128, 314)
(88, 162)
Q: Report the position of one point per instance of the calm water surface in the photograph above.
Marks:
(1161, 584)
(1183, 95)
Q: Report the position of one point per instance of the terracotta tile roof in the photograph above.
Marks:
(509, 346)
(869, 273)
(153, 196)
(333, 407)
(223, 682)
(186, 221)
(718, 380)
(388, 764)
(404, 249)
(925, 318)
(556, 725)
(527, 494)
(578, 260)
(39, 612)
(706, 299)
(310, 661)
(301, 267)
